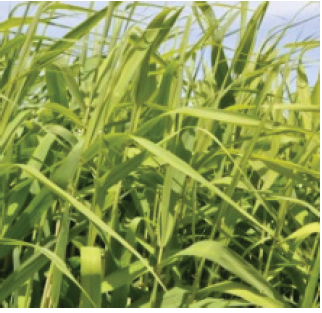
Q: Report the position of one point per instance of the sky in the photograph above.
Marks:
(279, 12)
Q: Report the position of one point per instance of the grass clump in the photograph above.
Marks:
(143, 163)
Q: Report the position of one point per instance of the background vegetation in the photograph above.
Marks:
(141, 167)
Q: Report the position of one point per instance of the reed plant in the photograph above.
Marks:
(140, 166)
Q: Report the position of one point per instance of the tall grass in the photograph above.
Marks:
(142, 167)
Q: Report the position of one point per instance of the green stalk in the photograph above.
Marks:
(314, 274)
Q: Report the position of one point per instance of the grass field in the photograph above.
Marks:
(142, 167)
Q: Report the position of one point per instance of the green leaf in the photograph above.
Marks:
(173, 298)
(304, 232)
(91, 276)
(305, 44)
(88, 213)
(244, 49)
(28, 268)
(120, 171)
(26, 271)
(12, 44)
(56, 86)
(244, 292)
(12, 127)
(312, 284)
(315, 96)
(28, 219)
(122, 276)
(66, 171)
(18, 21)
(70, 38)
(64, 111)
(182, 166)
(233, 263)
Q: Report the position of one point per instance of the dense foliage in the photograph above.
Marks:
(142, 167)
